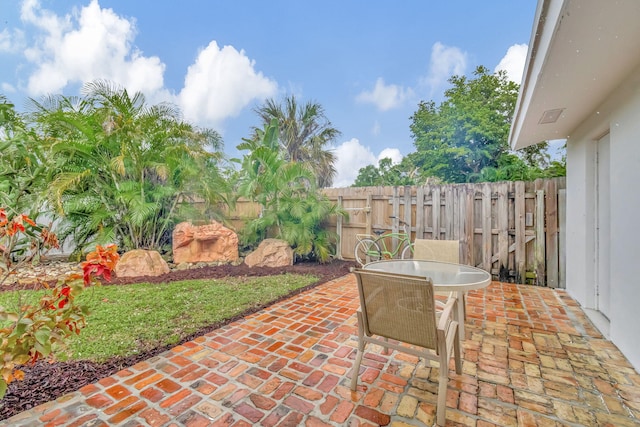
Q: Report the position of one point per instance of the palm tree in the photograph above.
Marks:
(123, 167)
(304, 133)
(292, 207)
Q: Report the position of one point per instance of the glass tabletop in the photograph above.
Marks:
(445, 276)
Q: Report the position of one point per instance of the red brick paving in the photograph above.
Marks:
(531, 358)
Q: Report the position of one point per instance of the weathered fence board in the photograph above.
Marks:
(503, 230)
(520, 233)
(562, 220)
(540, 238)
(551, 220)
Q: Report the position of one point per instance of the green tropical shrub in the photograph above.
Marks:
(22, 164)
(292, 207)
(124, 171)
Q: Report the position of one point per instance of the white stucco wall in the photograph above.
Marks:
(625, 229)
(580, 221)
(619, 115)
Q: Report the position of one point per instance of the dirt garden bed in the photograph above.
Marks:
(47, 381)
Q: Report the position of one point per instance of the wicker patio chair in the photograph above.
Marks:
(437, 250)
(402, 309)
(444, 251)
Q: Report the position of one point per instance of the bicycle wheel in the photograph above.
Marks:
(407, 252)
(367, 250)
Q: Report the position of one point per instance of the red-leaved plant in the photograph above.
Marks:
(33, 331)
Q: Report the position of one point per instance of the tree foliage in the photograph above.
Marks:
(292, 208)
(465, 138)
(304, 133)
(122, 168)
(469, 131)
(385, 174)
(22, 164)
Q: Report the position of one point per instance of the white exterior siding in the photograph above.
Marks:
(584, 60)
(625, 225)
(619, 115)
(581, 221)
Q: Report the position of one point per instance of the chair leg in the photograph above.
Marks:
(442, 393)
(386, 349)
(361, 345)
(464, 305)
(356, 371)
(459, 314)
(456, 352)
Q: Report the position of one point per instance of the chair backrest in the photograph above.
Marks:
(437, 250)
(398, 307)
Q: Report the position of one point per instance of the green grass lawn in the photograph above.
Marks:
(126, 320)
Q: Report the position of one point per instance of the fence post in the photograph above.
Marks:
(435, 212)
(562, 237)
(396, 216)
(470, 226)
(449, 212)
(551, 248)
(540, 239)
(502, 207)
(520, 255)
(339, 231)
(407, 212)
(457, 214)
(368, 226)
(487, 237)
(420, 212)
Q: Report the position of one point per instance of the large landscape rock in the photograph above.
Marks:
(139, 262)
(270, 253)
(204, 243)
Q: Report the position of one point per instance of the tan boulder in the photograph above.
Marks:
(204, 243)
(139, 262)
(270, 253)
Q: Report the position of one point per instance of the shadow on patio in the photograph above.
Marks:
(531, 358)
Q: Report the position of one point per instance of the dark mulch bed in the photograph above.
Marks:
(45, 381)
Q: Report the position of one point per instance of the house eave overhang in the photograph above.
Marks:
(579, 52)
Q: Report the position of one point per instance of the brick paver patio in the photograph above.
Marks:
(531, 358)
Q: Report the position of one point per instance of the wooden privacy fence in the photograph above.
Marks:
(514, 230)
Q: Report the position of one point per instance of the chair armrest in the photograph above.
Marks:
(440, 303)
(447, 311)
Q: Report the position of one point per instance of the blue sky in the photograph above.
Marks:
(368, 63)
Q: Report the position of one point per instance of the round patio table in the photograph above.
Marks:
(446, 277)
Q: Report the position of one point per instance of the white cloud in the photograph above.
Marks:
(445, 62)
(93, 43)
(351, 157)
(375, 130)
(31, 12)
(11, 42)
(513, 62)
(7, 88)
(392, 153)
(385, 97)
(221, 83)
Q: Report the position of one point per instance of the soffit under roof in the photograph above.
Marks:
(580, 50)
